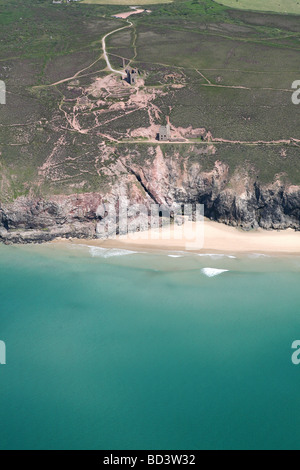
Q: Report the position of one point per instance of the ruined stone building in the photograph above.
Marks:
(165, 131)
(132, 75)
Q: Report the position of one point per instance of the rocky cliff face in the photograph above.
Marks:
(232, 198)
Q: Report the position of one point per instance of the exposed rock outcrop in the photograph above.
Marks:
(235, 199)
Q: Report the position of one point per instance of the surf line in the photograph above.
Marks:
(2, 353)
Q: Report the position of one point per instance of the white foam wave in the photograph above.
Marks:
(212, 272)
(217, 255)
(175, 256)
(258, 255)
(96, 251)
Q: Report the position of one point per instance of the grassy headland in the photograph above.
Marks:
(221, 69)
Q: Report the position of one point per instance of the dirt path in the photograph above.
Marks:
(130, 25)
(216, 140)
(105, 55)
(125, 15)
(75, 126)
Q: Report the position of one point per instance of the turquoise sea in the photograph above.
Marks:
(108, 349)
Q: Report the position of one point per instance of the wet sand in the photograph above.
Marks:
(204, 238)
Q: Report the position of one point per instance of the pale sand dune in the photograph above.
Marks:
(218, 238)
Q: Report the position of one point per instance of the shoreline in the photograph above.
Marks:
(217, 239)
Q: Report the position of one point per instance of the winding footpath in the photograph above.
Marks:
(105, 55)
(214, 140)
(130, 24)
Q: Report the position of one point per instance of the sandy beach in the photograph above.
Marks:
(205, 238)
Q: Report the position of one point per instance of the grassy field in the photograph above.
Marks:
(278, 6)
(126, 2)
(236, 69)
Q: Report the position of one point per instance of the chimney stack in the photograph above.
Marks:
(168, 120)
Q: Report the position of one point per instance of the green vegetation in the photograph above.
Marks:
(125, 2)
(278, 6)
(226, 70)
(32, 28)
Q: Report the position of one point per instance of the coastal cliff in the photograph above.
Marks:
(75, 136)
(234, 198)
